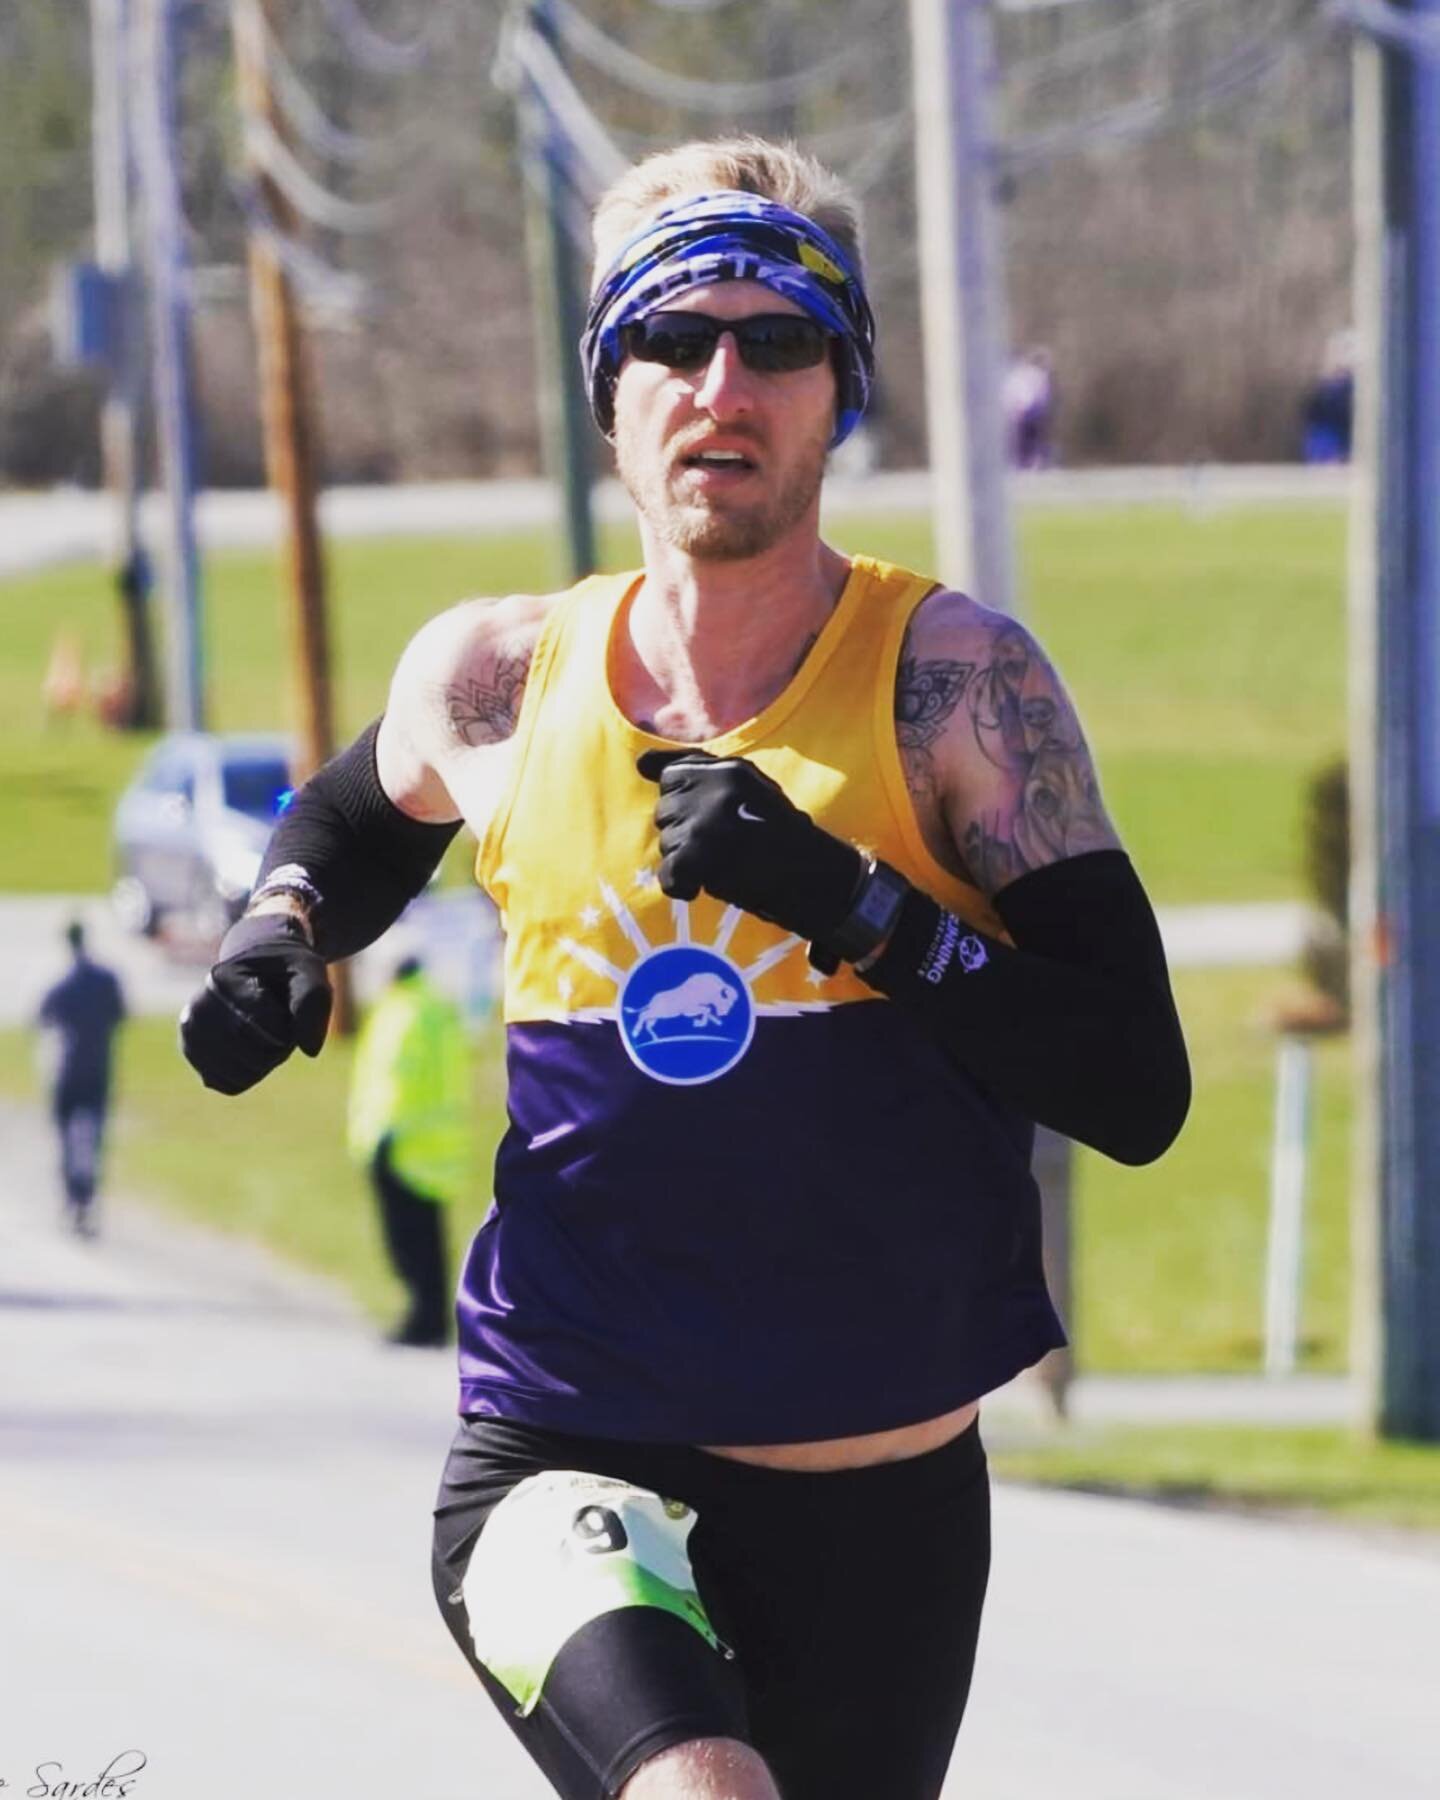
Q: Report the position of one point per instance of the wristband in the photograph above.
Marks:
(289, 878)
(869, 922)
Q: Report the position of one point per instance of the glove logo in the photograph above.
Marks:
(972, 954)
(750, 818)
(686, 1014)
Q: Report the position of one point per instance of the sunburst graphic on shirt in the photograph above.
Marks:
(685, 1006)
(593, 917)
(685, 1009)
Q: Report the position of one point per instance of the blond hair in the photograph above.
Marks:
(753, 165)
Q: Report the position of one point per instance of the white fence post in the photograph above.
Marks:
(1288, 1168)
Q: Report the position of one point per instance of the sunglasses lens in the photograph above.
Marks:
(780, 341)
(679, 340)
(770, 343)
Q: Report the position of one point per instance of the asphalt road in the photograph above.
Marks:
(214, 1493)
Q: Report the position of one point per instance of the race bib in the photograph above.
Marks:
(563, 1548)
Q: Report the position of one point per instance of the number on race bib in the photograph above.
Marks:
(598, 1531)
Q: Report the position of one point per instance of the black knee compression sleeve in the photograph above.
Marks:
(350, 852)
(1075, 1024)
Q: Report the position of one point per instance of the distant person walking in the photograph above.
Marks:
(1028, 398)
(1328, 411)
(80, 1016)
(410, 1106)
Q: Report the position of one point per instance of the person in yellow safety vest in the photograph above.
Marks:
(409, 1125)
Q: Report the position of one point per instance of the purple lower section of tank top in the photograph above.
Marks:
(839, 1235)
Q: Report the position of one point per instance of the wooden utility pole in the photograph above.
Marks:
(287, 405)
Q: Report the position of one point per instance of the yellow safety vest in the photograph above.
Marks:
(411, 1082)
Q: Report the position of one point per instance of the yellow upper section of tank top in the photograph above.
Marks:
(572, 852)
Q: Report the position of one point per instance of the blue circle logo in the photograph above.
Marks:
(686, 1014)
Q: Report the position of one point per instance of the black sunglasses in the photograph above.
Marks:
(769, 343)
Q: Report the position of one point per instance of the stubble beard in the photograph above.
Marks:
(728, 531)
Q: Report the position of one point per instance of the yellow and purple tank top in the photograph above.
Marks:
(738, 1201)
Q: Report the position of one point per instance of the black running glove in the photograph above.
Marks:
(728, 828)
(267, 993)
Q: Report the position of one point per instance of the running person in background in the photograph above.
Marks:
(80, 1016)
(811, 908)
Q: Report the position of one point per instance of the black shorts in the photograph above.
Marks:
(846, 1607)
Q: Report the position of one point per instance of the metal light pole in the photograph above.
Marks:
(566, 431)
(120, 415)
(169, 289)
(952, 56)
(962, 313)
(1395, 604)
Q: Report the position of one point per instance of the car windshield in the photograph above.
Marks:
(258, 789)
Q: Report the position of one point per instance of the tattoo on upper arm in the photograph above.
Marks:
(1021, 723)
(484, 708)
(926, 694)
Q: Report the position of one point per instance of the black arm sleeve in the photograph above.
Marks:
(365, 858)
(1075, 1024)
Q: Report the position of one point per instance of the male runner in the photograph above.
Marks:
(811, 908)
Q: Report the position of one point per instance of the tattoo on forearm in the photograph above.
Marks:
(484, 709)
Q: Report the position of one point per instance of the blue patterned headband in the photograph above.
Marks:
(732, 236)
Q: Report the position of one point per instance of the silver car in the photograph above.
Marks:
(191, 827)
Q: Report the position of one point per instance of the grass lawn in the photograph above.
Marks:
(1206, 653)
(1327, 1472)
(1170, 1260)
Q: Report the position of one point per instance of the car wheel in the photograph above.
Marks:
(133, 907)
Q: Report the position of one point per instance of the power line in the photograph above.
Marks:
(831, 145)
(602, 52)
(1404, 31)
(1029, 6)
(1233, 74)
(888, 138)
(579, 196)
(307, 118)
(372, 49)
(307, 195)
(526, 54)
(1076, 52)
(323, 284)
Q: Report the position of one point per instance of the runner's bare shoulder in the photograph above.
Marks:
(461, 680)
(455, 697)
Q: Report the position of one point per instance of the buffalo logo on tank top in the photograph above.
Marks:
(686, 1014)
(685, 1010)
